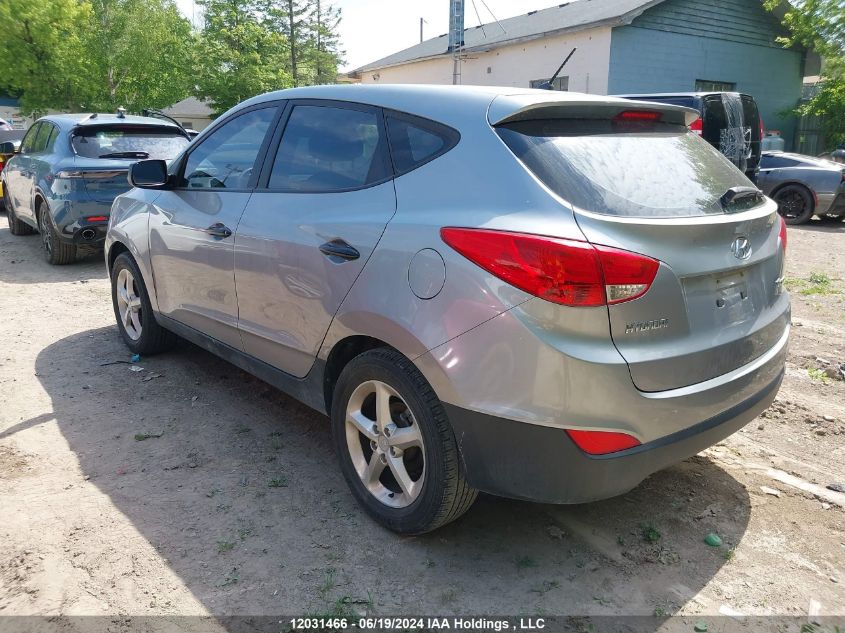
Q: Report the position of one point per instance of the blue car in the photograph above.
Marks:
(62, 181)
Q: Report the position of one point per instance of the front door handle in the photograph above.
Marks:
(219, 230)
(339, 250)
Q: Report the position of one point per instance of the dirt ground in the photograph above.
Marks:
(192, 488)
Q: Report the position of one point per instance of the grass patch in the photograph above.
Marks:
(278, 483)
(817, 374)
(815, 284)
(225, 546)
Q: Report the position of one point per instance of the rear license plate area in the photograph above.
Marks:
(720, 299)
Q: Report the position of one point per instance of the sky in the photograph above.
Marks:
(372, 29)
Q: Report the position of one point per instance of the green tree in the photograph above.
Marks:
(141, 54)
(240, 56)
(42, 55)
(325, 52)
(820, 25)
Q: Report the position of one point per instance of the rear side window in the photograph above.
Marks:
(326, 148)
(661, 171)
(415, 141)
(128, 142)
(28, 141)
(776, 162)
(40, 143)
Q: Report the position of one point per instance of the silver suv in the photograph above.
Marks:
(538, 295)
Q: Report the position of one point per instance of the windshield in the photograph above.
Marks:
(130, 142)
(654, 171)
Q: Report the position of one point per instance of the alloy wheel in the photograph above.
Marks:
(791, 204)
(46, 234)
(129, 304)
(385, 444)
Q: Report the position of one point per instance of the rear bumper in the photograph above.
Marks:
(538, 463)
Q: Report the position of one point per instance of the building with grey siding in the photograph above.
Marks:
(624, 46)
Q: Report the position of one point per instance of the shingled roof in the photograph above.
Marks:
(569, 16)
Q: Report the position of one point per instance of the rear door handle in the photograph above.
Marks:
(339, 250)
(219, 230)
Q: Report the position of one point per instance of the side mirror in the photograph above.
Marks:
(7, 148)
(148, 174)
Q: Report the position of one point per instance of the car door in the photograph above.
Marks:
(192, 225)
(307, 233)
(19, 174)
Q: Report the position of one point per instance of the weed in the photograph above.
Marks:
(328, 583)
(817, 374)
(650, 534)
(213, 492)
(243, 533)
(729, 553)
(620, 541)
(660, 612)
(525, 562)
(242, 430)
(225, 546)
(281, 482)
(429, 562)
(546, 587)
(140, 437)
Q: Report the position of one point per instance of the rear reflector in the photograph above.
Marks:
(782, 234)
(568, 272)
(697, 127)
(639, 115)
(602, 442)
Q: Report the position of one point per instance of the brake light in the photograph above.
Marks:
(650, 116)
(2, 163)
(697, 126)
(602, 442)
(97, 218)
(782, 234)
(568, 272)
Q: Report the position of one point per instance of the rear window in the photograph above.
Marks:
(138, 142)
(662, 171)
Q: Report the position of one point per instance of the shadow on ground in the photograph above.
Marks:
(25, 253)
(237, 486)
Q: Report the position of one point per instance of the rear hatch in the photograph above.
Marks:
(650, 186)
(105, 152)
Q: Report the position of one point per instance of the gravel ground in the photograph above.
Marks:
(192, 488)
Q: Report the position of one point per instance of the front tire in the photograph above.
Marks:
(795, 204)
(133, 311)
(396, 447)
(56, 251)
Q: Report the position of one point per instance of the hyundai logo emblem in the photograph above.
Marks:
(741, 248)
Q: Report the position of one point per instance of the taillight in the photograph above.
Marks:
(97, 218)
(602, 442)
(568, 272)
(782, 234)
(697, 126)
(2, 163)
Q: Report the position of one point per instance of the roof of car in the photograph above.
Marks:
(67, 121)
(447, 104)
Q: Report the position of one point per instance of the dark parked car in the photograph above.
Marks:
(729, 121)
(803, 186)
(69, 169)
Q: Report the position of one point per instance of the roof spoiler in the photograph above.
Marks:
(530, 106)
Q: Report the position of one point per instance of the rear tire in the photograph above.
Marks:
(16, 226)
(795, 204)
(133, 310)
(405, 472)
(56, 252)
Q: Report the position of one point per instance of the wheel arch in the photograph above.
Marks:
(340, 355)
(796, 183)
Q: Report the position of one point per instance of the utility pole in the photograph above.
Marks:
(422, 21)
(456, 37)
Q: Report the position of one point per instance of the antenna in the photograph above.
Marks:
(456, 37)
(549, 85)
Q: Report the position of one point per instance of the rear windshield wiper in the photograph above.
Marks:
(125, 155)
(748, 196)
